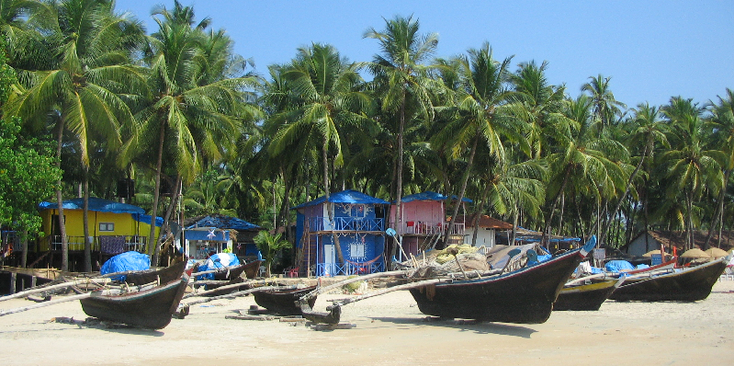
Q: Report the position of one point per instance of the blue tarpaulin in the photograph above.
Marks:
(123, 262)
(618, 265)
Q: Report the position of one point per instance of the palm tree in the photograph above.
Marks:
(324, 87)
(692, 168)
(403, 81)
(190, 114)
(84, 86)
(649, 129)
(606, 107)
(479, 115)
(540, 105)
(722, 123)
(593, 165)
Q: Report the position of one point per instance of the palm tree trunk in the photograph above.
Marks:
(478, 214)
(24, 253)
(624, 195)
(464, 181)
(87, 244)
(719, 210)
(152, 244)
(60, 202)
(166, 219)
(399, 173)
(549, 221)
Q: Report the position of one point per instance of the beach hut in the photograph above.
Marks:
(218, 233)
(114, 228)
(486, 229)
(341, 235)
(423, 221)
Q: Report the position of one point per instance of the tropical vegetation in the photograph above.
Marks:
(177, 110)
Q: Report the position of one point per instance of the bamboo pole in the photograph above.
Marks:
(228, 287)
(48, 303)
(321, 290)
(54, 287)
(406, 286)
(229, 296)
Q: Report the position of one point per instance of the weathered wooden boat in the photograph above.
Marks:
(587, 293)
(525, 295)
(679, 284)
(145, 309)
(284, 301)
(162, 276)
(252, 269)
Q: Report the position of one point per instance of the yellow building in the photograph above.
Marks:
(114, 228)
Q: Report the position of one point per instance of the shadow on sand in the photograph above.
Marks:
(478, 327)
(112, 327)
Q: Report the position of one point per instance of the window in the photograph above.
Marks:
(106, 226)
(357, 250)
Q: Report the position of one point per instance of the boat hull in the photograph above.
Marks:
(163, 276)
(523, 296)
(284, 302)
(150, 309)
(586, 297)
(690, 284)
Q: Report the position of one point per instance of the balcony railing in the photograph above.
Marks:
(424, 228)
(348, 269)
(346, 224)
(76, 243)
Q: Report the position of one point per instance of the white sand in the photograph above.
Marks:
(389, 331)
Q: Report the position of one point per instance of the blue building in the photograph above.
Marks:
(343, 235)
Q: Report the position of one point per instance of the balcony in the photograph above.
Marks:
(321, 223)
(430, 229)
(76, 243)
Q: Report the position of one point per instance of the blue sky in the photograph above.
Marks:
(652, 50)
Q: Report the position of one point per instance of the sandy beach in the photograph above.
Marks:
(388, 330)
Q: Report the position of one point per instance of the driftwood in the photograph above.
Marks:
(249, 317)
(48, 303)
(59, 286)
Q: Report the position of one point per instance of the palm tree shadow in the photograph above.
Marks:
(475, 326)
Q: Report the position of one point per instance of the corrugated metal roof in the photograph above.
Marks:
(348, 196)
(221, 222)
(95, 204)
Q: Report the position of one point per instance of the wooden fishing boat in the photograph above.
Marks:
(252, 268)
(587, 293)
(163, 275)
(525, 295)
(686, 284)
(145, 309)
(283, 301)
